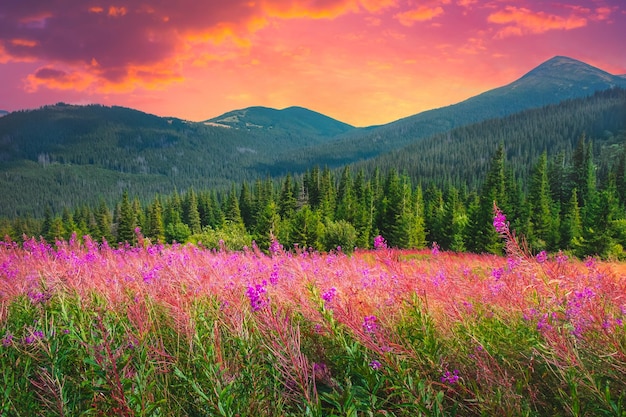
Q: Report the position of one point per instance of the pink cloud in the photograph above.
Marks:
(129, 37)
(422, 13)
(520, 21)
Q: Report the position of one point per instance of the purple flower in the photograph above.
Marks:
(496, 273)
(7, 339)
(380, 243)
(375, 365)
(275, 247)
(542, 257)
(274, 274)
(369, 324)
(435, 249)
(257, 295)
(329, 295)
(499, 222)
(450, 377)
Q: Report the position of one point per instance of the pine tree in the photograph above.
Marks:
(481, 235)
(156, 227)
(126, 221)
(328, 195)
(542, 233)
(571, 224)
(306, 229)
(246, 206)
(68, 224)
(191, 213)
(105, 222)
(232, 214)
(417, 230)
(346, 201)
(287, 202)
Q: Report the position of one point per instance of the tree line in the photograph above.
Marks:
(561, 206)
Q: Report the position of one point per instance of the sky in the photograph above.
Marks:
(363, 62)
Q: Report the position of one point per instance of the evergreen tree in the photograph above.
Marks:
(435, 216)
(246, 206)
(417, 230)
(571, 224)
(306, 229)
(68, 224)
(287, 202)
(104, 221)
(126, 221)
(328, 195)
(346, 201)
(232, 214)
(481, 235)
(46, 225)
(156, 227)
(542, 233)
(57, 230)
(454, 222)
(267, 224)
(191, 214)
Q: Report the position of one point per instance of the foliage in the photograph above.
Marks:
(152, 330)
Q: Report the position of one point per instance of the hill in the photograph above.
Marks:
(291, 120)
(3, 113)
(64, 154)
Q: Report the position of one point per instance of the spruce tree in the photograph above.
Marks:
(126, 221)
(541, 234)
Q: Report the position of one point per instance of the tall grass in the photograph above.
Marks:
(152, 330)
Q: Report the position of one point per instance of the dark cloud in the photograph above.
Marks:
(50, 74)
(110, 37)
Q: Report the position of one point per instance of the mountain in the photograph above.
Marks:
(292, 119)
(3, 113)
(461, 156)
(557, 79)
(64, 155)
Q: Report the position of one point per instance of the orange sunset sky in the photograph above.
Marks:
(363, 62)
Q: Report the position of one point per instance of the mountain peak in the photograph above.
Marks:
(287, 119)
(568, 70)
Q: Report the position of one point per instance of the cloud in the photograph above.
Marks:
(132, 38)
(521, 21)
(55, 78)
(422, 13)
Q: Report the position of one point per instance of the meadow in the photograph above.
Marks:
(180, 330)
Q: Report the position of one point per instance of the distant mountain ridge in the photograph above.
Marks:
(3, 113)
(65, 155)
(290, 118)
(560, 78)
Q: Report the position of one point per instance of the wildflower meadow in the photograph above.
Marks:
(180, 330)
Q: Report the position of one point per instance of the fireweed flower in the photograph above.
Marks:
(275, 247)
(450, 377)
(435, 249)
(380, 243)
(375, 365)
(7, 339)
(257, 296)
(369, 324)
(542, 257)
(499, 221)
(329, 295)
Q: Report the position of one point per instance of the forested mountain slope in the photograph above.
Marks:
(60, 155)
(557, 79)
(461, 155)
(302, 125)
